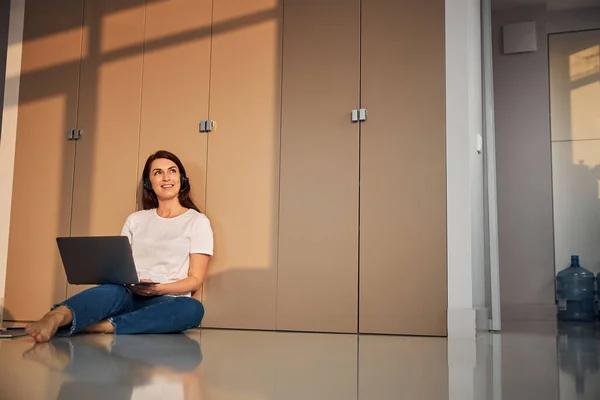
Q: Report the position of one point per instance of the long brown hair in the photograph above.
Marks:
(149, 199)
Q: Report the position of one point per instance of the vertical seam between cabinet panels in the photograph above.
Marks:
(360, 12)
(446, 175)
(208, 135)
(73, 161)
(139, 143)
(282, 38)
(358, 366)
(77, 99)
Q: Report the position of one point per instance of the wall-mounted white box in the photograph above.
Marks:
(519, 37)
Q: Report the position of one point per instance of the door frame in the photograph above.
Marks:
(490, 187)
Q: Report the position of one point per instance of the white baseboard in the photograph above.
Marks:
(462, 323)
(467, 323)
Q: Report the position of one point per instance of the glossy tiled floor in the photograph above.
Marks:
(542, 363)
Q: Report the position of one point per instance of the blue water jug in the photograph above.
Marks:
(575, 293)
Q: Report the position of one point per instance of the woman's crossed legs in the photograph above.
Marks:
(116, 309)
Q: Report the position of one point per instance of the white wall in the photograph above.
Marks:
(9, 131)
(466, 282)
(577, 20)
(525, 234)
(524, 166)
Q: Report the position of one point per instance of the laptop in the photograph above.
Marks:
(97, 260)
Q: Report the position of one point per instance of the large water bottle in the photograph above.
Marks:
(575, 293)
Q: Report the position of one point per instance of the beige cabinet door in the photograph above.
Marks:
(403, 182)
(175, 86)
(318, 215)
(242, 187)
(43, 174)
(106, 164)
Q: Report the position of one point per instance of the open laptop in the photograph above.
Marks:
(96, 260)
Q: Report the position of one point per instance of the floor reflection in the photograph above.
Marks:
(579, 360)
(122, 367)
(547, 361)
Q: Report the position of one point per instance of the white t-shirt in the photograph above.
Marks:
(162, 246)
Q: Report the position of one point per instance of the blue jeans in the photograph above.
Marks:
(130, 313)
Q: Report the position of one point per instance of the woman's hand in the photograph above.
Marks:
(146, 290)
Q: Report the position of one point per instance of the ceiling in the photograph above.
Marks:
(553, 5)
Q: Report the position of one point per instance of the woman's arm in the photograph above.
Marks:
(193, 282)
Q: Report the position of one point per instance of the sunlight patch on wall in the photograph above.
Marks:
(117, 31)
(42, 54)
(584, 63)
(585, 115)
(179, 21)
(585, 153)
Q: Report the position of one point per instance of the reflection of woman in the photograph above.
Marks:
(123, 367)
(171, 243)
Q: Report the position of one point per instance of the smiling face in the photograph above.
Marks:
(165, 179)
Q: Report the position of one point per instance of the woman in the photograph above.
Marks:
(171, 243)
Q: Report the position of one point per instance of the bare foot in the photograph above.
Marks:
(44, 329)
(104, 326)
(47, 355)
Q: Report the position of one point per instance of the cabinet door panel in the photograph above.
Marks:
(43, 174)
(106, 162)
(318, 220)
(403, 287)
(175, 87)
(242, 187)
